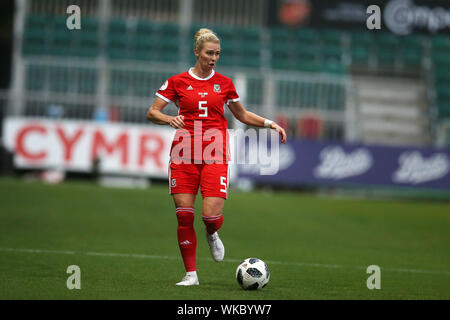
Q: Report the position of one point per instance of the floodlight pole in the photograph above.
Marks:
(16, 101)
(185, 18)
(351, 113)
(104, 13)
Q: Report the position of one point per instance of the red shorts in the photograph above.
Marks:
(211, 178)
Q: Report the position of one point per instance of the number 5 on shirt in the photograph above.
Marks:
(204, 108)
(223, 182)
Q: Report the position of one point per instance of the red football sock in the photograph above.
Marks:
(187, 239)
(212, 223)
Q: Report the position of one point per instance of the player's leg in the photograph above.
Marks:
(214, 187)
(213, 219)
(187, 239)
(184, 181)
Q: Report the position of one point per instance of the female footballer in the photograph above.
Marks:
(200, 95)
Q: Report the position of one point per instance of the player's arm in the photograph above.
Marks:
(155, 115)
(252, 119)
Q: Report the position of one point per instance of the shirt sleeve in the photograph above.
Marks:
(167, 91)
(232, 95)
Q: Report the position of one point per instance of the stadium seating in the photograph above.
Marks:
(49, 35)
(61, 79)
(305, 49)
(255, 87)
(441, 63)
(35, 78)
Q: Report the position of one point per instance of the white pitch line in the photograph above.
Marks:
(131, 255)
(147, 256)
(38, 251)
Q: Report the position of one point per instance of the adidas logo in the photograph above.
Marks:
(189, 88)
(185, 243)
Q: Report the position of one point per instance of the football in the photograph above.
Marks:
(252, 274)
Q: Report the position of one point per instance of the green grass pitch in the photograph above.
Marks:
(124, 242)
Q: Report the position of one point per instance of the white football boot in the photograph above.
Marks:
(190, 279)
(215, 246)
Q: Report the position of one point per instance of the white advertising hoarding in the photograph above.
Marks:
(74, 145)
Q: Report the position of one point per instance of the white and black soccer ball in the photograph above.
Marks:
(252, 274)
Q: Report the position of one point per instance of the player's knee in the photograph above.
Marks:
(213, 207)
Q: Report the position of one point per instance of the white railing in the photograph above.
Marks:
(231, 12)
(443, 133)
(72, 89)
(86, 88)
(58, 7)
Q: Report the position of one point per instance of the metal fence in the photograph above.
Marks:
(74, 89)
(228, 12)
(99, 87)
(443, 133)
(57, 7)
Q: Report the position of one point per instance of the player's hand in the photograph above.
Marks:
(177, 122)
(280, 131)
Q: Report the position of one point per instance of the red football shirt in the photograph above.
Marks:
(202, 103)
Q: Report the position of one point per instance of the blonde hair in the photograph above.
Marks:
(204, 35)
